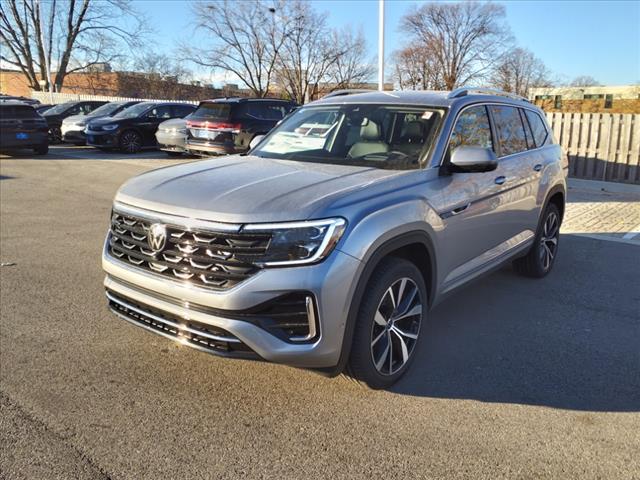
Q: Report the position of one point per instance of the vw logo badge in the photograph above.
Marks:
(157, 237)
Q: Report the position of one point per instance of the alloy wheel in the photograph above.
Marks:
(396, 326)
(549, 240)
(130, 142)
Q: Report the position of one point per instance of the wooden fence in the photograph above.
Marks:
(600, 146)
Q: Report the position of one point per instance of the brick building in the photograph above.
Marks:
(600, 99)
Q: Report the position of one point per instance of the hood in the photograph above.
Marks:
(79, 119)
(237, 189)
(99, 121)
(172, 123)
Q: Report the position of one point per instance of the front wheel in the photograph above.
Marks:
(130, 141)
(540, 259)
(388, 325)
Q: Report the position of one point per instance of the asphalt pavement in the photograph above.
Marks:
(517, 378)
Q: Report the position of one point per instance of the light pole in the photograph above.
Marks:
(381, 45)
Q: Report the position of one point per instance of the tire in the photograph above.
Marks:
(41, 150)
(173, 154)
(130, 141)
(55, 135)
(385, 340)
(539, 261)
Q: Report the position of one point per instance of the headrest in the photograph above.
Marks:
(413, 130)
(369, 131)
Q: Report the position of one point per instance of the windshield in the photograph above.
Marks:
(134, 111)
(105, 110)
(381, 136)
(55, 110)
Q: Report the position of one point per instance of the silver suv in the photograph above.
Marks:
(326, 245)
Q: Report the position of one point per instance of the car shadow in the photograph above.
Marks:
(571, 340)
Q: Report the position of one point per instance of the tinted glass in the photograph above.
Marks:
(17, 111)
(217, 111)
(538, 128)
(472, 129)
(360, 135)
(182, 110)
(163, 111)
(133, 111)
(107, 109)
(55, 110)
(511, 134)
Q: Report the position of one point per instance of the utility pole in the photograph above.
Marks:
(381, 45)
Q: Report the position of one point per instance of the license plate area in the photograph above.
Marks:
(204, 134)
(22, 136)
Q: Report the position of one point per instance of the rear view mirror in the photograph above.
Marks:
(255, 141)
(467, 158)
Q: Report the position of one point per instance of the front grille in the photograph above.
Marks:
(200, 335)
(216, 260)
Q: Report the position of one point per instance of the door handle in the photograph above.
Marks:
(537, 167)
(459, 210)
(500, 180)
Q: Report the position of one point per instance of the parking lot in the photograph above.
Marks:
(517, 378)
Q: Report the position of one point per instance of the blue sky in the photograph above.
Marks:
(597, 38)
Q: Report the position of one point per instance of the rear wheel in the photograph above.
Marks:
(388, 324)
(130, 141)
(540, 259)
(41, 149)
(55, 135)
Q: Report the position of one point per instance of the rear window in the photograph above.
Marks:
(217, 111)
(17, 111)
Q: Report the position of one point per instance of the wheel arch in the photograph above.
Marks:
(415, 246)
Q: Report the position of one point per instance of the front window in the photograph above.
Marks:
(60, 108)
(106, 109)
(388, 137)
(134, 111)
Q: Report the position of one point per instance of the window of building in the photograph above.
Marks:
(593, 96)
(608, 101)
(511, 134)
(557, 101)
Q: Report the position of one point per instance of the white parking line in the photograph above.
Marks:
(634, 232)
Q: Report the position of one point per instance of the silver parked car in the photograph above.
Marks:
(172, 136)
(326, 246)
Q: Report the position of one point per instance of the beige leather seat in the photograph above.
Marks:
(370, 141)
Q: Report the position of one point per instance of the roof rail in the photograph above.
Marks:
(464, 91)
(342, 93)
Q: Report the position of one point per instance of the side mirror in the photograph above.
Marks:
(255, 141)
(468, 158)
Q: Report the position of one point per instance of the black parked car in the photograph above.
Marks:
(22, 127)
(55, 115)
(73, 127)
(227, 125)
(42, 107)
(134, 127)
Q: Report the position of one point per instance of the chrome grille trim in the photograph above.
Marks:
(212, 259)
(173, 325)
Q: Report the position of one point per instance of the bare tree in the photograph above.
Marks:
(584, 81)
(519, 70)
(307, 53)
(246, 37)
(466, 38)
(64, 35)
(416, 68)
(351, 68)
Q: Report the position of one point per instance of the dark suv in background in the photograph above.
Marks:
(56, 114)
(73, 127)
(135, 127)
(22, 127)
(227, 125)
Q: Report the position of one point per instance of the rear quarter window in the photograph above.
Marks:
(538, 128)
(218, 111)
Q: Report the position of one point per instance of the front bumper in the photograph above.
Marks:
(73, 136)
(102, 139)
(171, 142)
(331, 283)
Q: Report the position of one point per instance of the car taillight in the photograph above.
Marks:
(225, 126)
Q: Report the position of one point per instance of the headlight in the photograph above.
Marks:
(182, 131)
(109, 127)
(298, 243)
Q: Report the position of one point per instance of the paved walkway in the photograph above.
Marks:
(603, 210)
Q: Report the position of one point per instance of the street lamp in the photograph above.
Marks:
(381, 45)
